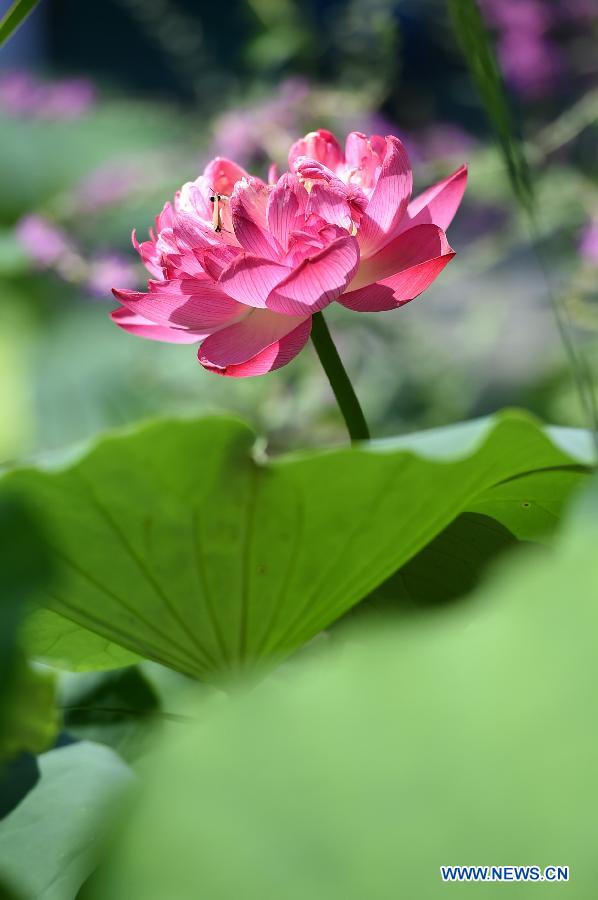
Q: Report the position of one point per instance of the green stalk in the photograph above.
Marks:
(339, 380)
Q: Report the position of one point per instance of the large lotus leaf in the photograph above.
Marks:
(449, 568)
(48, 635)
(450, 740)
(182, 543)
(530, 506)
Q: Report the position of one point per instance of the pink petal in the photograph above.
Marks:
(410, 248)
(150, 255)
(318, 280)
(330, 203)
(340, 192)
(182, 265)
(215, 260)
(248, 206)
(193, 199)
(192, 234)
(320, 145)
(190, 304)
(389, 199)
(421, 261)
(165, 218)
(263, 341)
(249, 279)
(286, 208)
(364, 155)
(313, 170)
(165, 241)
(141, 327)
(439, 203)
(221, 175)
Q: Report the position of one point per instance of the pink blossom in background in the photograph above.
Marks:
(588, 245)
(444, 140)
(248, 131)
(520, 15)
(45, 243)
(109, 184)
(242, 270)
(67, 99)
(537, 15)
(378, 123)
(49, 247)
(579, 11)
(25, 96)
(438, 141)
(532, 62)
(265, 128)
(19, 94)
(108, 269)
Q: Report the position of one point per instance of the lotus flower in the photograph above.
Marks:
(241, 266)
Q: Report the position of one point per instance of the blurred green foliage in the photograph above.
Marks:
(14, 17)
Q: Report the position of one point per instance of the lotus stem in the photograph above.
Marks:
(339, 380)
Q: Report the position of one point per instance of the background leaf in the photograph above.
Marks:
(447, 569)
(48, 635)
(531, 506)
(177, 542)
(15, 17)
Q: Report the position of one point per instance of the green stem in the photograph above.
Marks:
(339, 380)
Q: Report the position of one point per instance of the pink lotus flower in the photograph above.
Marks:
(241, 266)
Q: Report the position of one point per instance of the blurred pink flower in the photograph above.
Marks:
(44, 242)
(67, 99)
(444, 140)
(24, 95)
(533, 63)
(242, 133)
(108, 269)
(19, 94)
(241, 266)
(520, 15)
(588, 245)
(109, 184)
(579, 11)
